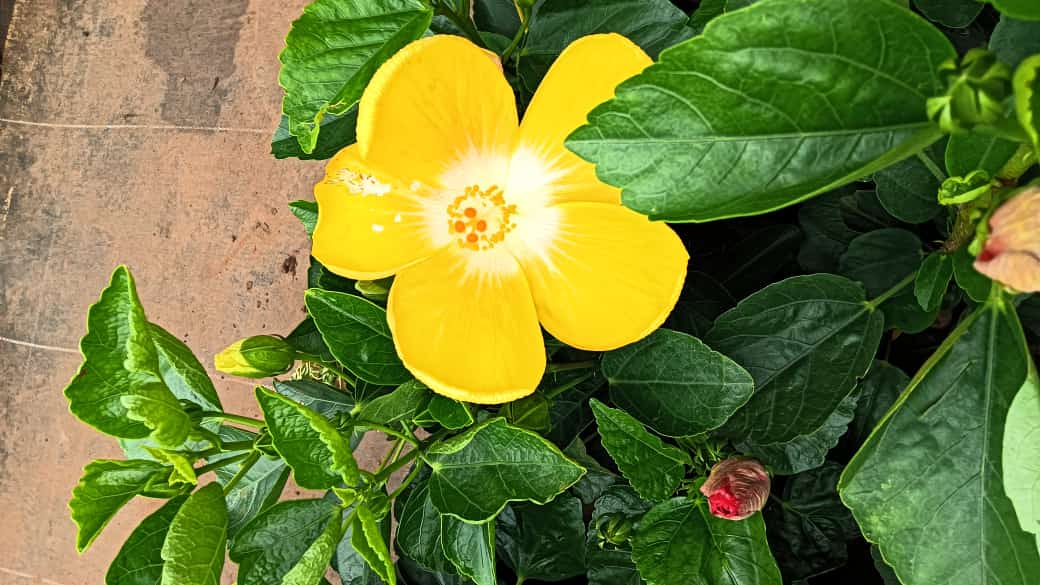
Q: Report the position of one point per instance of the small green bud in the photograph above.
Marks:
(259, 356)
(976, 88)
(374, 290)
(614, 529)
(346, 495)
(959, 190)
(523, 8)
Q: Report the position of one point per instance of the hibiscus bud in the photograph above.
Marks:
(736, 488)
(259, 356)
(614, 529)
(1011, 255)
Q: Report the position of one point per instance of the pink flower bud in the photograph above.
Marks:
(736, 488)
(1011, 255)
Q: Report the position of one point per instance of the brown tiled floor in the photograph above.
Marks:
(97, 168)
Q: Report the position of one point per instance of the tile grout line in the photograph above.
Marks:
(34, 578)
(134, 127)
(38, 345)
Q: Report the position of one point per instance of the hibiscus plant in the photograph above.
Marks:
(728, 292)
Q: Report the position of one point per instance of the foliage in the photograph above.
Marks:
(807, 139)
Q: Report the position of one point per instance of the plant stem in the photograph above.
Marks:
(392, 453)
(254, 456)
(385, 473)
(550, 394)
(387, 430)
(407, 480)
(877, 301)
(551, 368)
(223, 462)
(225, 447)
(520, 32)
(464, 23)
(932, 166)
(243, 420)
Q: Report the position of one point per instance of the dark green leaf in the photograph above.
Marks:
(832, 221)
(419, 531)
(450, 414)
(530, 412)
(1014, 40)
(878, 392)
(257, 490)
(909, 189)
(1020, 458)
(139, 561)
(768, 108)
(334, 134)
(752, 262)
(106, 486)
(471, 548)
(928, 485)
(805, 341)
(808, 525)
(333, 50)
(970, 151)
(888, 576)
(596, 479)
(474, 475)
(1024, 9)
(679, 542)
(367, 539)
(881, 258)
(402, 404)
(321, 398)
(951, 13)
(416, 575)
(702, 300)
(976, 285)
(1029, 313)
(306, 212)
(356, 332)
(569, 413)
(652, 24)
(496, 16)
(932, 280)
(545, 543)
(807, 451)
(263, 550)
(306, 338)
(653, 468)
(194, 547)
(351, 566)
(319, 455)
(676, 384)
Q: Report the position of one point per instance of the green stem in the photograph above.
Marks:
(876, 302)
(550, 394)
(222, 463)
(242, 420)
(385, 473)
(407, 480)
(386, 430)
(932, 166)
(508, 52)
(464, 23)
(392, 453)
(226, 447)
(551, 368)
(254, 456)
(348, 519)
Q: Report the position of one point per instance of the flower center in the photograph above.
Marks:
(480, 218)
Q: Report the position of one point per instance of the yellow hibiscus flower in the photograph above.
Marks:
(492, 226)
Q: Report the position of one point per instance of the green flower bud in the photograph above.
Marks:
(346, 495)
(614, 529)
(976, 88)
(259, 356)
(374, 290)
(958, 190)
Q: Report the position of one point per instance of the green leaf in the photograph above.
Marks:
(416, 575)
(569, 413)
(881, 259)
(806, 451)
(319, 455)
(306, 212)
(419, 531)
(951, 13)
(654, 25)
(653, 468)
(402, 404)
(367, 539)
(351, 566)
(596, 479)
(474, 475)
(257, 490)
(321, 398)
(754, 261)
(932, 280)
(530, 412)
(181, 371)
(315, 560)
(878, 392)
(1027, 97)
(1024, 9)
(544, 543)
(909, 189)
(194, 547)
(1020, 458)
(701, 301)
(808, 525)
(679, 542)
(263, 551)
(450, 414)
(832, 221)
(139, 561)
(306, 338)
(976, 285)
(356, 332)
(607, 565)
(1029, 313)
(334, 134)
(970, 151)
(106, 486)
(471, 548)
(157, 407)
(888, 576)
(333, 50)
(120, 360)
(768, 108)
(934, 463)
(676, 384)
(805, 341)
(1014, 40)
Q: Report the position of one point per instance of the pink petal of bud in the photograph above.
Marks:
(736, 488)
(1011, 255)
